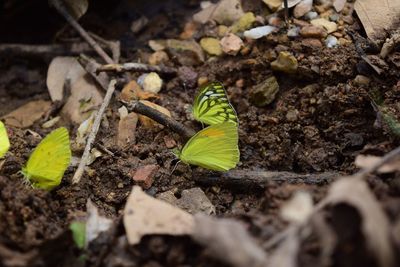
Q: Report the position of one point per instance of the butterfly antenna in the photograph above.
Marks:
(176, 165)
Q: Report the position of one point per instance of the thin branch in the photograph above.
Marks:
(159, 117)
(249, 178)
(93, 133)
(138, 67)
(91, 65)
(286, 7)
(59, 6)
(114, 46)
(44, 50)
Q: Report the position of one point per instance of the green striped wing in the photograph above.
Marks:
(211, 105)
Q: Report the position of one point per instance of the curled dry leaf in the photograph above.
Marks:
(376, 16)
(144, 215)
(366, 161)
(228, 241)
(127, 129)
(84, 130)
(146, 121)
(192, 200)
(85, 93)
(26, 115)
(77, 8)
(375, 224)
(132, 91)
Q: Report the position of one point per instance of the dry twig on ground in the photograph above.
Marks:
(59, 5)
(138, 67)
(93, 133)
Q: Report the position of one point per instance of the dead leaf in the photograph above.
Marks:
(228, 241)
(366, 161)
(377, 15)
(144, 215)
(95, 223)
(127, 130)
(77, 7)
(192, 200)
(61, 69)
(375, 224)
(146, 121)
(133, 91)
(26, 115)
(224, 12)
(85, 97)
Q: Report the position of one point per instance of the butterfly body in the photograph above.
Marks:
(214, 148)
(48, 162)
(211, 105)
(4, 141)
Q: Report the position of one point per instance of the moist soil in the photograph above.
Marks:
(318, 123)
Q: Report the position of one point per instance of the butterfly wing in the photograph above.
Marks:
(4, 141)
(212, 106)
(214, 148)
(49, 160)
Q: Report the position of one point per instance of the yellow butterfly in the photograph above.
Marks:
(214, 148)
(49, 160)
(211, 105)
(4, 141)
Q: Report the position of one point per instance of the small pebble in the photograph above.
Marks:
(285, 62)
(334, 17)
(313, 32)
(362, 80)
(329, 26)
(311, 42)
(211, 46)
(259, 32)
(293, 32)
(158, 57)
(331, 41)
(311, 15)
(231, 44)
(150, 82)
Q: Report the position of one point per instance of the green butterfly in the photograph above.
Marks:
(4, 141)
(214, 148)
(211, 105)
(48, 162)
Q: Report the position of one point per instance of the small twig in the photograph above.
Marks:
(63, 11)
(286, 7)
(91, 65)
(248, 178)
(159, 117)
(138, 67)
(44, 50)
(114, 46)
(93, 133)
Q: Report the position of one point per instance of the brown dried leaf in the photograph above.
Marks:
(228, 241)
(146, 121)
(77, 8)
(26, 115)
(144, 215)
(377, 15)
(366, 161)
(375, 224)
